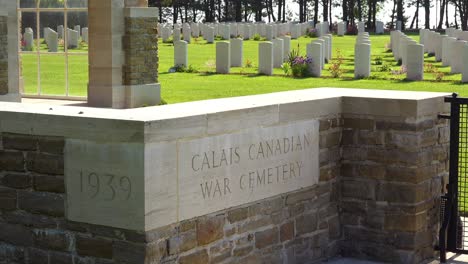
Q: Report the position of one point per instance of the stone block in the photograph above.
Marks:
(12, 161)
(93, 246)
(42, 203)
(45, 163)
(210, 229)
(47, 183)
(237, 215)
(197, 257)
(16, 235)
(52, 240)
(287, 231)
(306, 223)
(17, 181)
(266, 238)
(7, 199)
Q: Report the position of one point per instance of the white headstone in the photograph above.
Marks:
(28, 38)
(187, 33)
(209, 34)
(361, 27)
(446, 50)
(438, 46)
(225, 31)
(60, 31)
(464, 56)
(73, 37)
(295, 31)
(195, 30)
(415, 62)
(233, 30)
(286, 46)
(278, 53)
(180, 53)
(176, 33)
(265, 58)
(77, 28)
(165, 34)
(457, 56)
(46, 32)
(326, 46)
(52, 41)
(223, 57)
(330, 46)
(237, 52)
(85, 35)
(379, 27)
(269, 32)
(362, 60)
(246, 32)
(323, 44)
(341, 30)
(314, 52)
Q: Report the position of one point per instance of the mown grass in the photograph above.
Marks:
(205, 84)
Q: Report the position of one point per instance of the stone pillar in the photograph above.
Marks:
(120, 53)
(341, 29)
(278, 53)
(362, 60)
(180, 53)
(314, 51)
(9, 59)
(415, 62)
(223, 57)
(265, 58)
(237, 52)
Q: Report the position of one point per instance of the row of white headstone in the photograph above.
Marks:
(410, 53)
(451, 49)
(236, 30)
(272, 54)
(52, 37)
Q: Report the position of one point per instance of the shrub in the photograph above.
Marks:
(378, 61)
(400, 71)
(312, 33)
(335, 67)
(182, 68)
(257, 37)
(300, 66)
(352, 30)
(248, 63)
(286, 68)
(384, 68)
(439, 76)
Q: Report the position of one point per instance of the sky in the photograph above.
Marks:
(384, 15)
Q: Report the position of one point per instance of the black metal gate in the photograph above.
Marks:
(453, 234)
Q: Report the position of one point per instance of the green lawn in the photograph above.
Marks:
(205, 84)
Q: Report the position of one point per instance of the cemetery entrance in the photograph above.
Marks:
(53, 48)
(453, 235)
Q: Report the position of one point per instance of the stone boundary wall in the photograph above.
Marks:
(383, 158)
(3, 55)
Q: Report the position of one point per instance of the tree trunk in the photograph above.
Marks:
(442, 12)
(316, 9)
(325, 10)
(280, 5)
(400, 12)
(427, 15)
(369, 14)
(351, 13)
(344, 6)
(359, 10)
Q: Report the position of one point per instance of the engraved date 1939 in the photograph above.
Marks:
(105, 186)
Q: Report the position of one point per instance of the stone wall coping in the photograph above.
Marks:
(155, 113)
(214, 116)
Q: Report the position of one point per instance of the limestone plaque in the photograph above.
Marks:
(228, 170)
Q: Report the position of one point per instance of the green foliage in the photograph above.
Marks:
(248, 64)
(384, 68)
(378, 61)
(335, 67)
(286, 68)
(257, 37)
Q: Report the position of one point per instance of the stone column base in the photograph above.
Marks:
(143, 95)
(11, 97)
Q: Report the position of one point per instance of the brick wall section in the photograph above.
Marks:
(391, 179)
(141, 51)
(3, 55)
(298, 227)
